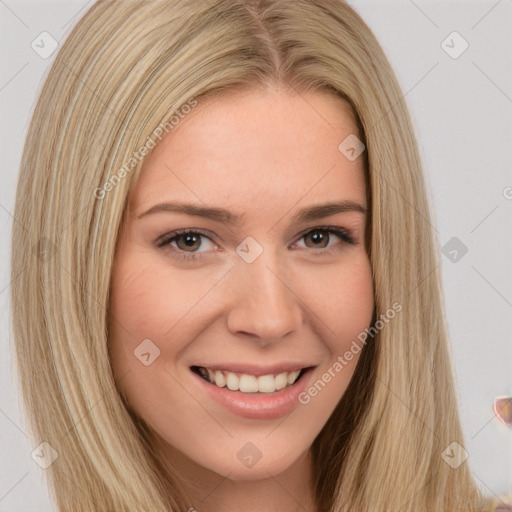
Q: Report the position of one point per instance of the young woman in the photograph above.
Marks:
(234, 300)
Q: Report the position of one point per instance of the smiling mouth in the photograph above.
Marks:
(250, 384)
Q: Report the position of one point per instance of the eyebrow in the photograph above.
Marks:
(223, 215)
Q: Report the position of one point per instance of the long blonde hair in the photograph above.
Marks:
(126, 69)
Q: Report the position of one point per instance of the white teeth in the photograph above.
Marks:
(250, 383)
(231, 381)
(281, 381)
(266, 384)
(220, 380)
(292, 376)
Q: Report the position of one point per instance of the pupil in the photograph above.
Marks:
(318, 236)
(189, 240)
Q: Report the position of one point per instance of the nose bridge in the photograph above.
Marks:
(264, 303)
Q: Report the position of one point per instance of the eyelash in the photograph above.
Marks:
(166, 239)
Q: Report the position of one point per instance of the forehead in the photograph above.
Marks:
(255, 148)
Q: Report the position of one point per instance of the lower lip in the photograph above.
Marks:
(262, 406)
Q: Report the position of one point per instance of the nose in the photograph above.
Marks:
(264, 304)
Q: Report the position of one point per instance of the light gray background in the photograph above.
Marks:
(462, 112)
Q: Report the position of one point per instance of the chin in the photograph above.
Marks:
(249, 463)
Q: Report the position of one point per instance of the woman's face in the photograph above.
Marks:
(257, 289)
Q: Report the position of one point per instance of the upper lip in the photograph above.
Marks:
(254, 369)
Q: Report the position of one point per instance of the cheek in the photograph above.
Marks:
(345, 310)
(134, 304)
(357, 300)
(138, 311)
(345, 304)
(145, 306)
(148, 299)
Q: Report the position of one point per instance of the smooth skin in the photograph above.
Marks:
(264, 155)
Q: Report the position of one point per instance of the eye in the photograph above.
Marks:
(187, 242)
(321, 236)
